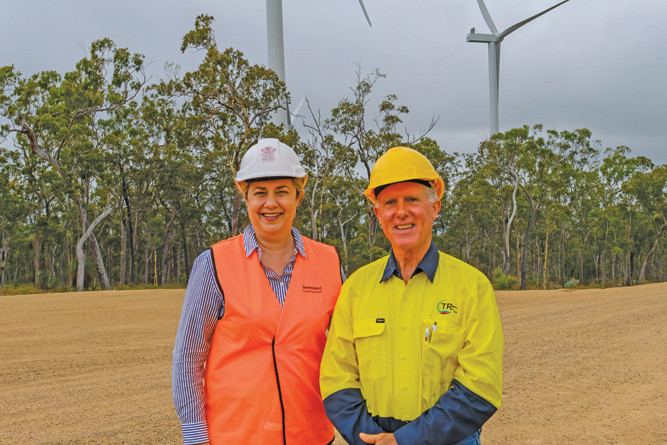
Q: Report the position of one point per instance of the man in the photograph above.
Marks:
(414, 353)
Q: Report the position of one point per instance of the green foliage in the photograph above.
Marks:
(572, 283)
(502, 281)
(540, 204)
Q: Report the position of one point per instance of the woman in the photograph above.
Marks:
(250, 340)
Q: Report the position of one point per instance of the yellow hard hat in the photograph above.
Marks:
(401, 164)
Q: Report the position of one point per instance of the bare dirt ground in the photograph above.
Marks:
(581, 367)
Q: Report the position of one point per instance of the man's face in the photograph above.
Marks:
(407, 214)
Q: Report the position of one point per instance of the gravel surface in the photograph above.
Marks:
(584, 366)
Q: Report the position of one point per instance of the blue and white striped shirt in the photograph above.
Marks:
(203, 306)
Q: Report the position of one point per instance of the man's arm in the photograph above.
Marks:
(202, 307)
(347, 411)
(476, 391)
(457, 414)
(339, 377)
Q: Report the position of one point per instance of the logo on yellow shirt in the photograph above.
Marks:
(446, 307)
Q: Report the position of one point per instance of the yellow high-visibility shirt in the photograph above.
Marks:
(402, 345)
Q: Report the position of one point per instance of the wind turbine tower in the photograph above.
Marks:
(276, 48)
(493, 40)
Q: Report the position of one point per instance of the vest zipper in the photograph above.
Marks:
(280, 394)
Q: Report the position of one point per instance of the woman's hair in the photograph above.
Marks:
(299, 185)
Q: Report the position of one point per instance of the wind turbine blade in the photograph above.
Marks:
(487, 16)
(368, 19)
(513, 28)
(298, 107)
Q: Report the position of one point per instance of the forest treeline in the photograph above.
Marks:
(109, 179)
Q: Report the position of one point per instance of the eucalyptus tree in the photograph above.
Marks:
(233, 100)
(649, 189)
(573, 188)
(524, 157)
(367, 135)
(326, 160)
(499, 168)
(618, 210)
(469, 210)
(120, 136)
(57, 117)
(13, 208)
(28, 95)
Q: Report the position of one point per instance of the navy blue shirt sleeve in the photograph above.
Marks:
(347, 411)
(456, 415)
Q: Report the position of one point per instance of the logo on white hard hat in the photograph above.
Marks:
(268, 154)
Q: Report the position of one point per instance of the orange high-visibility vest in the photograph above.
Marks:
(262, 373)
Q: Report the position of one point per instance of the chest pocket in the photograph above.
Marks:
(440, 358)
(370, 343)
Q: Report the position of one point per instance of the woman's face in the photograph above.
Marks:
(271, 207)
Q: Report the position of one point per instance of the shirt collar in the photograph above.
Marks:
(428, 265)
(250, 241)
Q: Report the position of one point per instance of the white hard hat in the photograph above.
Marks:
(269, 158)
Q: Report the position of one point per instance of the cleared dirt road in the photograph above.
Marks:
(583, 367)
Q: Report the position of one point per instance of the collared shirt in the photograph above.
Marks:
(203, 306)
(422, 359)
(428, 265)
(279, 283)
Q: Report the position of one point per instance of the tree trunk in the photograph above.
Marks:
(546, 257)
(4, 260)
(97, 255)
(642, 271)
(507, 262)
(81, 269)
(631, 269)
(562, 259)
(123, 250)
(167, 246)
(38, 248)
(469, 243)
(126, 226)
(518, 252)
(133, 249)
(313, 214)
(372, 230)
(186, 256)
(235, 215)
(313, 223)
(147, 263)
(603, 273)
(98, 261)
(526, 238)
(343, 238)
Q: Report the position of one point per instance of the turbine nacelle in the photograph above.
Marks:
(483, 38)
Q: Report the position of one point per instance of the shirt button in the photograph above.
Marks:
(404, 387)
(404, 326)
(404, 357)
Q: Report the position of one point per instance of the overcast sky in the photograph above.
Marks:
(598, 64)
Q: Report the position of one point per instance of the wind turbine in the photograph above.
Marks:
(493, 41)
(276, 48)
